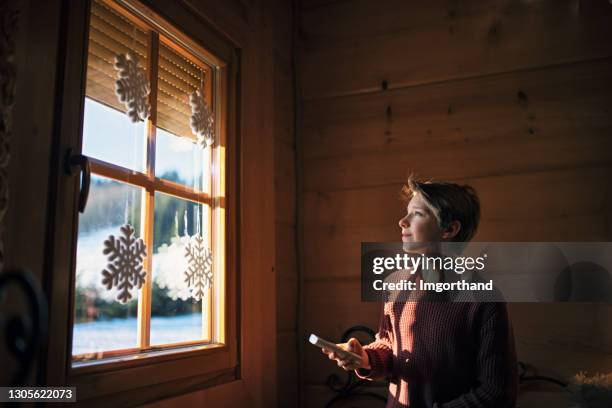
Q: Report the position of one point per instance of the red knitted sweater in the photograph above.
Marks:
(445, 355)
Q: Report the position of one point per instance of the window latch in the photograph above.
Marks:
(79, 162)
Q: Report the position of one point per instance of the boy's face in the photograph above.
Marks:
(419, 224)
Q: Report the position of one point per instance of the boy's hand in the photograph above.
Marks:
(348, 364)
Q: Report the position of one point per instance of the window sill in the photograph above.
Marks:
(160, 374)
(143, 358)
(156, 392)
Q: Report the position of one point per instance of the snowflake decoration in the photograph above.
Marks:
(132, 87)
(202, 119)
(198, 275)
(125, 268)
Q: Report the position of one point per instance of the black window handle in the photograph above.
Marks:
(82, 162)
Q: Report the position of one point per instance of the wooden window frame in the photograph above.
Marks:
(180, 368)
(150, 184)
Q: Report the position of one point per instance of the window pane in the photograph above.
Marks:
(101, 322)
(181, 161)
(108, 134)
(179, 311)
(176, 316)
(177, 157)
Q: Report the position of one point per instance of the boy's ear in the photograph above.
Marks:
(452, 230)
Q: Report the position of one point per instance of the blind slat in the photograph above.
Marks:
(137, 39)
(106, 47)
(119, 23)
(177, 81)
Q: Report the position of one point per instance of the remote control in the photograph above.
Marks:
(322, 343)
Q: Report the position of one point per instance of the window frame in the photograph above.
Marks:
(151, 184)
(162, 373)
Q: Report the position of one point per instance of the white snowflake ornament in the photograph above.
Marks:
(132, 86)
(198, 275)
(202, 119)
(125, 268)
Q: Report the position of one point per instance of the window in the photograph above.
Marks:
(156, 178)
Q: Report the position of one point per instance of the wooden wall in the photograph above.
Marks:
(30, 149)
(512, 97)
(284, 182)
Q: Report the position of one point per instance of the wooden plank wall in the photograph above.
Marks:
(30, 149)
(512, 97)
(284, 182)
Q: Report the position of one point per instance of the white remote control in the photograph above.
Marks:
(322, 343)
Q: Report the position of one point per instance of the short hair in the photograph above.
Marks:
(449, 202)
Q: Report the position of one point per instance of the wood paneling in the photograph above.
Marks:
(563, 361)
(406, 44)
(333, 307)
(558, 194)
(31, 123)
(331, 252)
(577, 323)
(234, 18)
(337, 255)
(342, 297)
(467, 161)
(284, 181)
(572, 99)
(572, 205)
(287, 369)
(223, 396)
(283, 81)
(285, 254)
(286, 289)
(320, 395)
(562, 121)
(604, 328)
(285, 202)
(283, 27)
(258, 214)
(284, 124)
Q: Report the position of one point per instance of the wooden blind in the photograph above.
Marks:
(112, 33)
(178, 78)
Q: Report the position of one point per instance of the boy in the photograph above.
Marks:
(440, 354)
